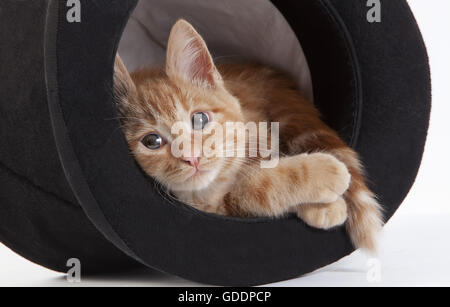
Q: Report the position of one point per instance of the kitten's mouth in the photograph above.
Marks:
(197, 172)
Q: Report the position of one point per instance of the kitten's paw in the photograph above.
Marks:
(324, 216)
(328, 178)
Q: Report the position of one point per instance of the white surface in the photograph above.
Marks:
(415, 249)
(414, 252)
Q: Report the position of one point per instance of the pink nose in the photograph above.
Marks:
(192, 161)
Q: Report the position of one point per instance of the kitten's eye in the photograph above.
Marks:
(153, 141)
(200, 120)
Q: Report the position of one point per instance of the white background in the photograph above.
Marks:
(415, 248)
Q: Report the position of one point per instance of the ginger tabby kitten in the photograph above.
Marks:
(319, 177)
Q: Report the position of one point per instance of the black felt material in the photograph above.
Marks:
(48, 230)
(396, 90)
(40, 217)
(371, 83)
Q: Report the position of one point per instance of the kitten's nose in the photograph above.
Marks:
(192, 161)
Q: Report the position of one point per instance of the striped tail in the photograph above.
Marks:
(365, 218)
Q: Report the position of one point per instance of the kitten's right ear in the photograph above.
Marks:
(123, 83)
(188, 56)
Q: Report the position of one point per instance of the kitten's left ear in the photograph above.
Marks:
(124, 87)
(188, 57)
(123, 82)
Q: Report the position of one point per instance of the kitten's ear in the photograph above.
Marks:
(188, 57)
(123, 83)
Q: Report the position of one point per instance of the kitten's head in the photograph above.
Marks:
(189, 91)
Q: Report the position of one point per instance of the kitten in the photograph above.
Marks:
(320, 178)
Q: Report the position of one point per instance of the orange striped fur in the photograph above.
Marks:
(319, 177)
